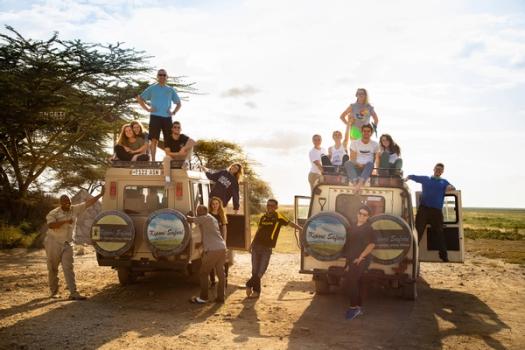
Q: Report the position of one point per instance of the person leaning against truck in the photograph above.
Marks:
(58, 243)
(430, 210)
(263, 243)
(160, 96)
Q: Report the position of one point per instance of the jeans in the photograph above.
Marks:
(352, 281)
(388, 168)
(260, 260)
(354, 173)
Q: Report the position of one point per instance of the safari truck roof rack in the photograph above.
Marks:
(175, 164)
(336, 175)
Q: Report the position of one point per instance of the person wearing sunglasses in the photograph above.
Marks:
(359, 246)
(160, 97)
(178, 147)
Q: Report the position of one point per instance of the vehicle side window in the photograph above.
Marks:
(142, 200)
(348, 205)
(450, 209)
(197, 195)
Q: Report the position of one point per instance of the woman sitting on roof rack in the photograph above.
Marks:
(139, 131)
(130, 147)
(388, 158)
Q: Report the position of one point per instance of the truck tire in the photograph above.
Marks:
(125, 276)
(409, 290)
(321, 284)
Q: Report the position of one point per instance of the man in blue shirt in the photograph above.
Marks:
(160, 97)
(430, 210)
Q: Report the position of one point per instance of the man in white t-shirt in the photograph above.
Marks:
(316, 170)
(362, 156)
(61, 223)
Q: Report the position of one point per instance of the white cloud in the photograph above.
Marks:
(433, 69)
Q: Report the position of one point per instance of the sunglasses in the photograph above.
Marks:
(176, 127)
(161, 75)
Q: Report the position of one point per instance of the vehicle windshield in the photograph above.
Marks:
(142, 200)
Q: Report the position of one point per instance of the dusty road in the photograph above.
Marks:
(477, 305)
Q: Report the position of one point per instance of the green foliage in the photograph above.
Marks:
(220, 154)
(15, 236)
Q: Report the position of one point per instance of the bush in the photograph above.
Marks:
(15, 237)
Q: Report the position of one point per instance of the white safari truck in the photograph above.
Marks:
(326, 217)
(142, 226)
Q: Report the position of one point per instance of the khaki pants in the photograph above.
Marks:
(313, 178)
(60, 252)
(213, 259)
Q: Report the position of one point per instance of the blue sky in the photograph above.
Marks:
(447, 78)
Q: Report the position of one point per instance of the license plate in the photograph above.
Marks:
(145, 172)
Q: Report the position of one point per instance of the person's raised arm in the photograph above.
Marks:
(93, 200)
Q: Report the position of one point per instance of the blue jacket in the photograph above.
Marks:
(434, 189)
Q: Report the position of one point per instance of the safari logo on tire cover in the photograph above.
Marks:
(167, 231)
(112, 233)
(394, 239)
(324, 235)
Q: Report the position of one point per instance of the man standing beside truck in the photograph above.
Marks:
(263, 243)
(430, 210)
(58, 243)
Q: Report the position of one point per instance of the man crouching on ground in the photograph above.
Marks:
(265, 239)
(58, 243)
(214, 255)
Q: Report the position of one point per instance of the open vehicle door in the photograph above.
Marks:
(301, 212)
(239, 232)
(452, 229)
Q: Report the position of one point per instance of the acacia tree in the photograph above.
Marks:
(219, 154)
(61, 101)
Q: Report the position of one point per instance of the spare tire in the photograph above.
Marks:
(324, 235)
(167, 232)
(394, 239)
(112, 233)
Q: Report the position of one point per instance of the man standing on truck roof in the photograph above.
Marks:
(263, 242)
(362, 158)
(160, 97)
(178, 147)
(61, 222)
(430, 210)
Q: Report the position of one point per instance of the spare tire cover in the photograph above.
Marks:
(112, 233)
(394, 239)
(324, 235)
(167, 232)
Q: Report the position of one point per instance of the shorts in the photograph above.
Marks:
(156, 124)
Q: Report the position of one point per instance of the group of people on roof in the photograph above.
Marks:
(364, 154)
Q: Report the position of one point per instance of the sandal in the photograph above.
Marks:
(197, 300)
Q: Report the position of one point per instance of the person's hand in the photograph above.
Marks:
(347, 268)
(358, 260)
(171, 113)
(151, 109)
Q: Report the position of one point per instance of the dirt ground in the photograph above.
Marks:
(476, 305)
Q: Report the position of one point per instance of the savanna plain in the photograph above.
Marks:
(475, 305)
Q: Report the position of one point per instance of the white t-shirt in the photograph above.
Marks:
(315, 154)
(365, 151)
(337, 154)
(65, 232)
(392, 157)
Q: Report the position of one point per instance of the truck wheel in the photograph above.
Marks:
(125, 276)
(410, 291)
(321, 284)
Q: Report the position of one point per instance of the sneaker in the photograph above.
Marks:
(198, 300)
(249, 291)
(54, 296)
(353, 312)
(77, 296)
